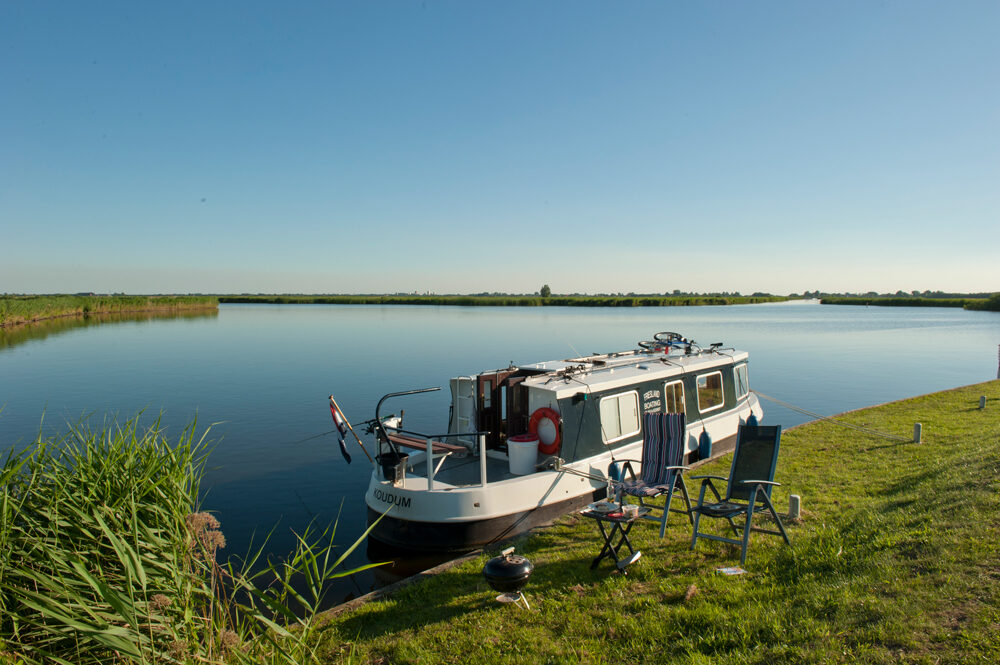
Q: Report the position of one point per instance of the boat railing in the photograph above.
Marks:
(383, 435)
(432, 447)
(425, 442)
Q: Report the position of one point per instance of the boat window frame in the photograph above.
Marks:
(666, 396)
(743, 369)
(722, 393)
(638, 416)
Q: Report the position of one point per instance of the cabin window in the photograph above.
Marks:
(710, 391)
(619, 416)
(742, 381)
(674, 393)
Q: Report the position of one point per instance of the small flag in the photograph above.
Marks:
(341, 423)
(338, 419)
(343, 450)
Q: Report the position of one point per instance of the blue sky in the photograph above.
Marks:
(366, 147)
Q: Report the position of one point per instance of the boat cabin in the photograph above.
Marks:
(531, 441)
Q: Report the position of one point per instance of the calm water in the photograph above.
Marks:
(260, 376)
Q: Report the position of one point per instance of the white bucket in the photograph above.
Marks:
(522, 451)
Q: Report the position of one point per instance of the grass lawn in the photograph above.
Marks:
(896, 559)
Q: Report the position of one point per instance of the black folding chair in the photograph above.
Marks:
(751, 478)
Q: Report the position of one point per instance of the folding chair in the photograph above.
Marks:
(663, 441)
(751, 478)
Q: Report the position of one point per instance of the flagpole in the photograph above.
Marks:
(335, 405)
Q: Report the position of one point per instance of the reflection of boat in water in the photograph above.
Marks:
(530, 442)
(399, 564)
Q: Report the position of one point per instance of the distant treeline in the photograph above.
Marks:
(992, 303)
(503, 301)
(26, 309)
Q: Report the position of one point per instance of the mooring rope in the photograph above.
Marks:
(308, 438)
(859, 428)
(583, 474)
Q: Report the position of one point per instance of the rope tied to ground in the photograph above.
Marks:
(817, 416)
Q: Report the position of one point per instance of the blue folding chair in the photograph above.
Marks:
(663, 439)
(749, 485)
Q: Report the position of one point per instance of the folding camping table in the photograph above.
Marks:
(616, 536)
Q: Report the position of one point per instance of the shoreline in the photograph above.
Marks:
(506, 300)
(83, 315)
(25, 311)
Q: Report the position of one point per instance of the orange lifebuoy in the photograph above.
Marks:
(551, 415)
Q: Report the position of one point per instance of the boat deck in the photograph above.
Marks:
(464, 471)
(460, 471)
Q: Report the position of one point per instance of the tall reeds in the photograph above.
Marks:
(104, 557)
(15, 310)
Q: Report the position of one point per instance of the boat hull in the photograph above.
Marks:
(462, 536)
(458, 537)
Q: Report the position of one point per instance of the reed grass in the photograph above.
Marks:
(105, 557)
(15, 310)
(991, 304)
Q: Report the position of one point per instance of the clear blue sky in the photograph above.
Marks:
(331, 147)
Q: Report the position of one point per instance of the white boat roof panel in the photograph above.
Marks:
(601, 373)
(549, 365)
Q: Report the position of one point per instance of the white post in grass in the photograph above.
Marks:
(794, 507)
(982, 402)
(917, 430)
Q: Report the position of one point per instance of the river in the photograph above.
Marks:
(259, 376)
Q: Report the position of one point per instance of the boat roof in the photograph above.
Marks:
(612, 370)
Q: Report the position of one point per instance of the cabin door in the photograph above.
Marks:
(463, 414)
(498, 399)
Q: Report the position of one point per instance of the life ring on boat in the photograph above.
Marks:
(545, 413)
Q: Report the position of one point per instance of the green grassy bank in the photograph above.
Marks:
(990, 304)
(896, 560)
(16, 310)
(504, 301)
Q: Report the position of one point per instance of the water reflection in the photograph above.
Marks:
(16, 335)
(399, 563)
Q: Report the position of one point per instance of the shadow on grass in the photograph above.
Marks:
(457, 593)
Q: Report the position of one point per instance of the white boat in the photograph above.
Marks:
(531, 442)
